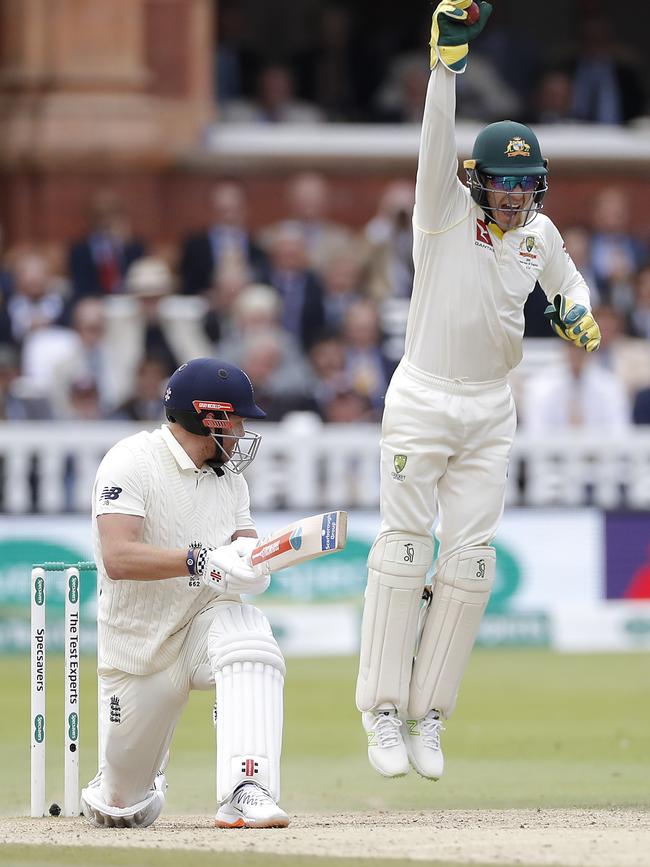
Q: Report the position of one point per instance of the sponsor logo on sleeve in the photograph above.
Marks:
(110, 493)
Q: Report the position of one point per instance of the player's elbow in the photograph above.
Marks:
(115, 566)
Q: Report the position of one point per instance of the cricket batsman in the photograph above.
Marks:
(171, 534)
(449, 416)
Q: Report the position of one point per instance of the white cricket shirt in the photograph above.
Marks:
(142, 624)
(466, 318)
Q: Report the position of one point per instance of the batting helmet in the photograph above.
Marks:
(201, 391)
(507, 149)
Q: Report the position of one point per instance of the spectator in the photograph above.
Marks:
(55, 358)
(342, 284)
(580, 394)
(145, 401)
(256, 313)
(83, 402)
(553, 98)
(230, 280)
(280, 390)
(275, 101)
(36, 300)
(348, 407)
(482, 94)
(366, 365)
(334, 65)
(308, 204)
(607, 85)
(150, 321)
(615, 252)
(98, 262)
(389, 240)
(628, 358)
(19, 399)
(641, 410)
(227, 240)
(300, 288)
(640, 316)
(329, 378)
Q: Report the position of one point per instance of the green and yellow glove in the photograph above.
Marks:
(574, 322)
(450, 36)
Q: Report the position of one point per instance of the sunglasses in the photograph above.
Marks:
(507, 183)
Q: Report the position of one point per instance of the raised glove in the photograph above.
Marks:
(225, 570)
(574, 322)
(450, 36)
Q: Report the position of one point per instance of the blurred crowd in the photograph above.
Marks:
(313, 310)
(326, 60)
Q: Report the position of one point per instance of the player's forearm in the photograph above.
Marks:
(137, 561)
(437, 180)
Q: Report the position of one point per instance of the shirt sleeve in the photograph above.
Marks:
(243, 520)
(441, 200)
(119, 488)
(560, 275)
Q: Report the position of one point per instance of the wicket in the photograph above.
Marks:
(71, 684)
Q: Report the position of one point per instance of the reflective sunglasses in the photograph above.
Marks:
(507, 183)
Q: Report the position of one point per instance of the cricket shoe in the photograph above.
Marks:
(250, 806)
(386, 750)
(422, 740)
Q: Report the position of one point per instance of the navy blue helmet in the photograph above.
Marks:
(201, 391)
(202, 395)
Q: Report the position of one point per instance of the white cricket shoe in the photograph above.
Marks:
(386, 751)
(250, 806)
(422, 739)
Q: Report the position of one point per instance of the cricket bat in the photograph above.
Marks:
(301, 541)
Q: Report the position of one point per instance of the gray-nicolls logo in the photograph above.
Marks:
(410, 552)
(480, 568)
(116, 712)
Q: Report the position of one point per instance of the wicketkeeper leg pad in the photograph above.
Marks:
(249, 676)
(461, 589)
(397, 566)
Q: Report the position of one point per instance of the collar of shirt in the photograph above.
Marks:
(179, 454)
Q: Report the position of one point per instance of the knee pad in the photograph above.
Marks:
(249, 674)
(397, 566)
(102, 815)
(461, 589)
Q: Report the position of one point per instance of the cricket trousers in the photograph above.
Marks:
(445, 448)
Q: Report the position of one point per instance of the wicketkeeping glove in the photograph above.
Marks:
(227, 569)
(450, 36)
(574, 322)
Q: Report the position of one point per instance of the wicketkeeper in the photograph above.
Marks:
(449, 416)
(171, 533)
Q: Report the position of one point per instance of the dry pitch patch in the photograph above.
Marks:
(571, 838)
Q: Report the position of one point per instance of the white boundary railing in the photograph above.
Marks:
(304, 464)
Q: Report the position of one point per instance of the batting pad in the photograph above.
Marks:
(249, 676)
(461, 589)
(397, 567)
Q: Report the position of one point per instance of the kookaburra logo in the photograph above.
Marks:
(410, 552)
(480, 568)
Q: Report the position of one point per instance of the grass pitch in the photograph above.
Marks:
(532, 728)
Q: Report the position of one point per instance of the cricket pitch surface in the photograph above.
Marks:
(566, 837)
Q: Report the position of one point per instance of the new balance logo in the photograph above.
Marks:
(111, 493)
(116, 712)
(413, 727)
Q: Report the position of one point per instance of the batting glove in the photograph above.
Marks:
(574, 322)
(450, 36)
(226, 570)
